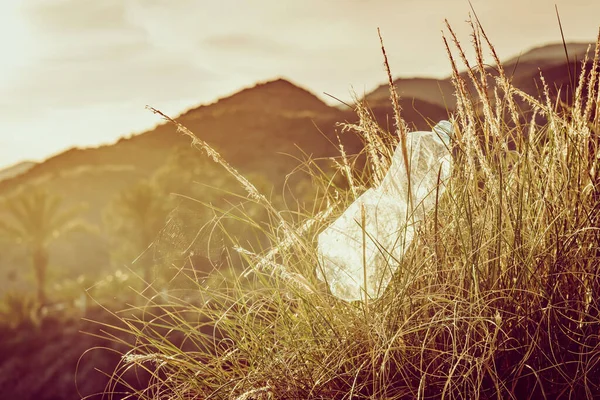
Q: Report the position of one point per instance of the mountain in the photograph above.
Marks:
(265, 129)
(253, 130)
(250, 128)
(562, 80)
(553, 53)
(523, 68)
(16, 169)
(259, 119)
(258, 130)
(279, 96)
(420, 114)
(439, 92)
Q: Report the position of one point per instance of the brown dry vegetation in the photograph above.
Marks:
(496, 298)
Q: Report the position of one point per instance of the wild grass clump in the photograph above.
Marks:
(497, 297)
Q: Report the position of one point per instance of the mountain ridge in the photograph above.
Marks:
(282, 96)
(259, 98)
(16, 169)
(440, 91)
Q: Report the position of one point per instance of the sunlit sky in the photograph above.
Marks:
(80, 72)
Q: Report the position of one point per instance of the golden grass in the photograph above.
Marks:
(497, 297)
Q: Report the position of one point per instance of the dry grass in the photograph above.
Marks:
(497, 297)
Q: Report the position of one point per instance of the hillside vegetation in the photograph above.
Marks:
(497, 297)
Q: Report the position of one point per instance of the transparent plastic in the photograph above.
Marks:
(361, 250)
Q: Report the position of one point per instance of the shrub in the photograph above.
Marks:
(497, 297)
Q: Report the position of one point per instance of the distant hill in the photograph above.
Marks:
(250, 128)
(420, 114)
(439, 92)
(258, 130)
(253, 130)
(522, 68)
(551, 54)
(16, 169)
(279, 96)
(269, 117)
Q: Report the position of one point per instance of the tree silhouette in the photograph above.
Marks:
(134, 219)
(36, 218)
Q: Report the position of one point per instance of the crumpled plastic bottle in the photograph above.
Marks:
(352, 255)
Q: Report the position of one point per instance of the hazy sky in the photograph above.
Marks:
(79, 72)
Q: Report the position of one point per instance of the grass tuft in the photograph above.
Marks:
(497, 296)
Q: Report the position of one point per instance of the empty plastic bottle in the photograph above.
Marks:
(360, 251)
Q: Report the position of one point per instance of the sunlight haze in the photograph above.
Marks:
(80, 72)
